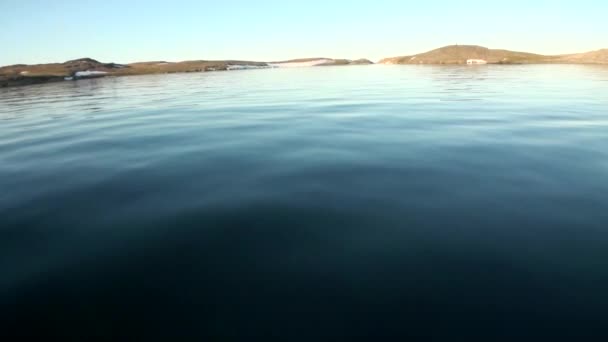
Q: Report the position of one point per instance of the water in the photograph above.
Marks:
(306, 204)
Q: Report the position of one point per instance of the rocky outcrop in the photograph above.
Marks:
(11, 81)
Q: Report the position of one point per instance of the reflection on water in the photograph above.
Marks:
(424, 201)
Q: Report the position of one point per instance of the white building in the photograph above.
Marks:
(476, 61)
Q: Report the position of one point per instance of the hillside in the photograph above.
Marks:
(459, 54)
(41, 73)
(22, 74)
(593, 57)
(58, 69)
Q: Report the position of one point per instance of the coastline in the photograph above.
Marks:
(23, 75)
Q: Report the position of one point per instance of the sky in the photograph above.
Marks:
(42, 31)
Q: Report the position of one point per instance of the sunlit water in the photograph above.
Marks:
(308, 203)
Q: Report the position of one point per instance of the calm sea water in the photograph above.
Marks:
(308, 203)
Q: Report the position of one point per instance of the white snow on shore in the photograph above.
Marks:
(89, 73)
(246, 67)
(301, 64)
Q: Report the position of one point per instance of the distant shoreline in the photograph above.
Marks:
(21, 75)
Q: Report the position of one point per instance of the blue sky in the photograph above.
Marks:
(35, 31)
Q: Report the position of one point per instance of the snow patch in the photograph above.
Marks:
(301, 64)
(90, 73)
(476, 61)
(246, 67)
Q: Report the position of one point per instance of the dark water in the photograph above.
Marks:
(308, 204)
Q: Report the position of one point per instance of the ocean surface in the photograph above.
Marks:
(308, 204)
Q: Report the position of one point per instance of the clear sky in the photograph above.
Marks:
(36, 31)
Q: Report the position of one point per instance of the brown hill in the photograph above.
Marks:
(59, 69)
(22, 74)
(593, 57)
(459, 54)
